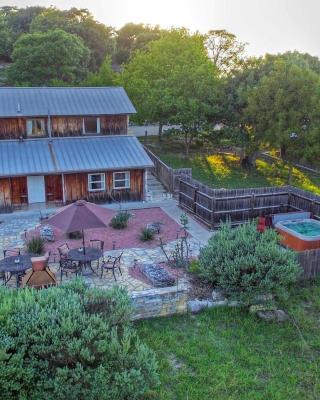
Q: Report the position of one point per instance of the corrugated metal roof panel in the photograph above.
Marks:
(31, 101)
(25, 158)
(42, 156)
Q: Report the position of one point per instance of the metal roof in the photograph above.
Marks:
(45, 156)
(41, 101)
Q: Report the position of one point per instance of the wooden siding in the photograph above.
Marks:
(114, 125)
(53, 184)
(13, 128)
(66, 126)
(14, 191)
(76, 187)
(5, 192)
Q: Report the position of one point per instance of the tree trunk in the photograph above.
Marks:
(283, 152)
(290, 174)
(248, 161)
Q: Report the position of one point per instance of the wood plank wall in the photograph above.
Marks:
(13, 128)
(76, 187)
(13, 191)
(53, 185)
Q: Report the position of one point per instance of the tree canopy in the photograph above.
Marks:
(174, 81)
(45, 58)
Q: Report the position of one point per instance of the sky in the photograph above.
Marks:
(268, 26)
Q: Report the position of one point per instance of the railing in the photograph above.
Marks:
(168, 176)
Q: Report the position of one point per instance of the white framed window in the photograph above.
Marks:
(36, 127)
(96, 182)
(121, 180)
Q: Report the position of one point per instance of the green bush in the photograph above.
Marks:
(36, 245)
(120, 221)
(147, 234)
(194, 267)
(71, 342)
(245, 263)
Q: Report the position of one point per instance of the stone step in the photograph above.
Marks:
(155, 190)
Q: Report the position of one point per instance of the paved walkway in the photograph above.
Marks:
(13, 226)
(170, 206)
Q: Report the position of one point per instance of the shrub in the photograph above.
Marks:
(71, 342)
(35, 245)
(193, 267)
(245, 263)
(147, 234)
(120, 221)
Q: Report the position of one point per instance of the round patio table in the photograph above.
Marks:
(10, 264)
(85, 257)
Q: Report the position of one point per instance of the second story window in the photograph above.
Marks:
(91, 125)
(36, 127)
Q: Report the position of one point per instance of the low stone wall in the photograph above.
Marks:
(159, 302)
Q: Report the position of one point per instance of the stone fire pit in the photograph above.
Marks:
(157, 275)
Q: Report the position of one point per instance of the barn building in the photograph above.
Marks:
(58, 145)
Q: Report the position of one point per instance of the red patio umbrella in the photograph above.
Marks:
(79, 216)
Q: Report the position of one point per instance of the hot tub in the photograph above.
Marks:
(303, 234)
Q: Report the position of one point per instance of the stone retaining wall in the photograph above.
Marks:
(159, 302)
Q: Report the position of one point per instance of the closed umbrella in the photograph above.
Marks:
(79, 216)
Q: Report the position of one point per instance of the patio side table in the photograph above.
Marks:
(15, 265)
(85, 257)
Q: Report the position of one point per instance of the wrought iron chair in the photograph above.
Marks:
(63, 251)
(6, 276)
(68, 266)
(111, 264)
(11, 252)
(98, 244)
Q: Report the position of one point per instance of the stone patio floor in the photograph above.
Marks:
(13, 227)
(129, 259)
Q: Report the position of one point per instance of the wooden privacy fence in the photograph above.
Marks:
(168, 176)
(213, 206)
(310, 263)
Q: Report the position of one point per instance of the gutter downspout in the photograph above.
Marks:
(63, 189)
(49, 125)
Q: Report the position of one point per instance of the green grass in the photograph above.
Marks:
(230, 354)
(224, 170)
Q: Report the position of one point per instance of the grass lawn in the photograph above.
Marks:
(230, 354)
(224, 171)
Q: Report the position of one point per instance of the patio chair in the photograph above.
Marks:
(63, 251)
(11, 253)
(111, 264)
(5, 276)
(68, 266)
(97, 244)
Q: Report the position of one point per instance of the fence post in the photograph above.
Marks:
(252, 205)
(213, 207)
(195, 200)
(289, 200)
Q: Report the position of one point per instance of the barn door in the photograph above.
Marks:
(36, 189)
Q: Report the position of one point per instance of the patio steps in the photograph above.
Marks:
(155, 190)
